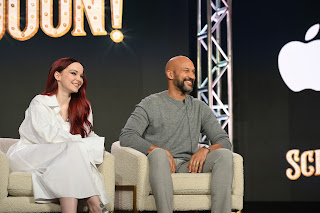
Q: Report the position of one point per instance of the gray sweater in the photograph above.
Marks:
(172, 124)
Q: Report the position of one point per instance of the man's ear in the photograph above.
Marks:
(170, 74)
(57, 75)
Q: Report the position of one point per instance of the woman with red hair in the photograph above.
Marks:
(57, 144)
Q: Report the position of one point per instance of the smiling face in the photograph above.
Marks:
(70, 79)
(184, 75)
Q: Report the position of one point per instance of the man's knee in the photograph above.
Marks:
(223, 156)
(158, 157)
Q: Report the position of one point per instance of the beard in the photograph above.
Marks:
(181, 85)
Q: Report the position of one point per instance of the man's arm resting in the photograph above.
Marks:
(131, 134)
(198, 158)
(212, 128)
(215, 146)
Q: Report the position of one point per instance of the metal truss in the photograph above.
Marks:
(214, 76)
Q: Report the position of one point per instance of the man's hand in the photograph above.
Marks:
(170, 158)
(197, 160)
(171, 161)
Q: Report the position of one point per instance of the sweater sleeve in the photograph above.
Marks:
(94, 144)
(131, 134)
(212, 129)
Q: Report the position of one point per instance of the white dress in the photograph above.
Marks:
(62, 164)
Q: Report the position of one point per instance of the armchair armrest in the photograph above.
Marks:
(4, 175)
(238, 183)
(5, 144)
(132, 168)
(107, 170)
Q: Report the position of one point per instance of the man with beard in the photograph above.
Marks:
(166, 127)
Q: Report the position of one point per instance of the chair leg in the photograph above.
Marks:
(132, 188)
(135, 199)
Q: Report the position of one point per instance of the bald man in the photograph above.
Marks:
(166, 126)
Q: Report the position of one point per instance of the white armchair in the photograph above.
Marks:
(191, 191)
(16, 193)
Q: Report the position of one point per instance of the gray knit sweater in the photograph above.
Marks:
(171, 124)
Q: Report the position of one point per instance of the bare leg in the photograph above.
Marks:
(95, 205)
(68, 204)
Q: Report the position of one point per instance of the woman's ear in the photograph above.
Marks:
(57, 75)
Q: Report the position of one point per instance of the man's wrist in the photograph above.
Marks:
(207, 147)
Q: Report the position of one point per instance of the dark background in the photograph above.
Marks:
(269, 119)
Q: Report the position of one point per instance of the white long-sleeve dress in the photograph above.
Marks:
(62, 164)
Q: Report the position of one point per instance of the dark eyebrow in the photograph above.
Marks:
(75, 71)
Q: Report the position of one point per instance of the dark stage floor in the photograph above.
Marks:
(281, 207)
(272, 207)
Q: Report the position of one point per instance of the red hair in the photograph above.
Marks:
(79, 106)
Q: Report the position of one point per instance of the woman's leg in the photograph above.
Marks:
(95, 205)
(68, 204)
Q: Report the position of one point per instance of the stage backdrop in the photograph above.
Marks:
(119, 74)
(270, 118)
(277, 110)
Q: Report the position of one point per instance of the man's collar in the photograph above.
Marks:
(178, 103)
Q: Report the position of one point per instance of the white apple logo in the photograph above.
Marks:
(299, 63)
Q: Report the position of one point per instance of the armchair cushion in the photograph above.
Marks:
(191, 184)
(20, 184)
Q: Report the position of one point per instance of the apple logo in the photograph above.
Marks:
(299, 63)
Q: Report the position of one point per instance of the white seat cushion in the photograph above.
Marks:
(191, 183)
(20, 184)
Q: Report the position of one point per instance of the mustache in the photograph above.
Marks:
(189, 79)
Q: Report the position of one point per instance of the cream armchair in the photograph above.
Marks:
(191, 191)
(16, 193)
